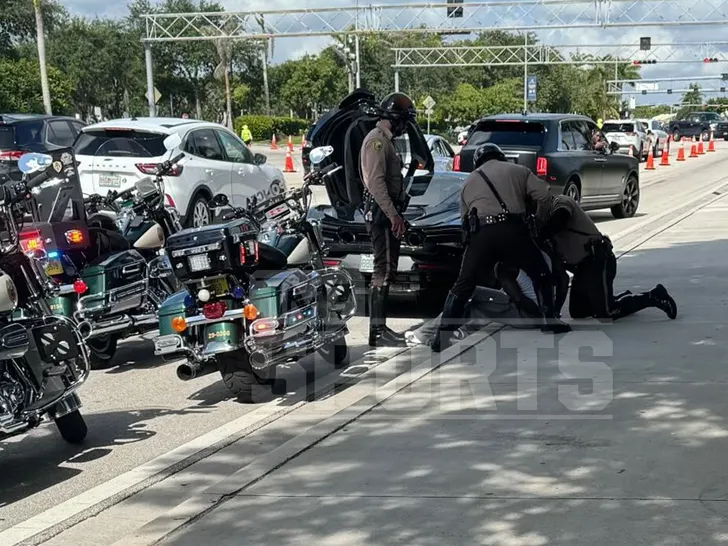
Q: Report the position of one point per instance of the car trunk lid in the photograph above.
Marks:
(521, 141)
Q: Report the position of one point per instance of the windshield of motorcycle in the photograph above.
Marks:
(60, 199)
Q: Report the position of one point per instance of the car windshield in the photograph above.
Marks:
(712, 116)
(618, 128)
(509, 133)
(120, 143)
(7, 138)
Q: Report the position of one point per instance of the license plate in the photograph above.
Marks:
(217, 286)
(200, 262)
(109, 181)
(366, 264)
(54, 267)
(276, 212)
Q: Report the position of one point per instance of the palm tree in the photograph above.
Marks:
(224, 47)
(42, 58)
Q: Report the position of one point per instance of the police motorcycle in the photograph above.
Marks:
(43, 359)
(245, 311)
(112, 273)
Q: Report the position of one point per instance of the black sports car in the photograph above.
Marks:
(432, 247)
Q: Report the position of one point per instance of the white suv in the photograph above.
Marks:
(626, 133)
(115, 154)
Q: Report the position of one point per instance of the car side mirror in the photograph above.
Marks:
(259, 159)
(219, 201)
(613, 146)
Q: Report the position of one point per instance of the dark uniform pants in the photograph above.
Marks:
(386, 254)
(509, 242)
(592, 289)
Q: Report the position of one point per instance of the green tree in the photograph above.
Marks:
(20, 89)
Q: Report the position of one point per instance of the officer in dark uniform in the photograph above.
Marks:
(493, 205)
(588, 254)
(384, 203)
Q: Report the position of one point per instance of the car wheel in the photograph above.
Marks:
(199, 214)
(676, 136)
(572, 190)
(705, 136)
(630, 199)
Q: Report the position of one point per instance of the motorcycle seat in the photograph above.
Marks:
(106, 242)
(270, 261)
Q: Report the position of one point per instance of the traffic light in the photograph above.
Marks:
(722, 89)
(645, 43)
(710, 60)
(669, 91)
(648, 61)
(455, 12)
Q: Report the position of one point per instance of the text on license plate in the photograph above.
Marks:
(217, 286)
(200, 262)
(54, 267)
(366, 263)
(278, 211)
(109, 181)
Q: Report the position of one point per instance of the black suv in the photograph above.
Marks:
(22, 133)
(558, 148)
(699, 124)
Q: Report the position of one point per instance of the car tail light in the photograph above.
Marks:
(214, 310)
(74, 236)
(332, 263)
(456, 163)
(151, 168)
(30, 241)
(542, 166)
(249, 253)
(170, 201)
(11, 156)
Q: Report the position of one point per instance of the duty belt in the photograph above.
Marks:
(495, 219)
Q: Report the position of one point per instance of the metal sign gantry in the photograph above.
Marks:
(517, 55)
(616, 87)
(507, 15)
(671, 91)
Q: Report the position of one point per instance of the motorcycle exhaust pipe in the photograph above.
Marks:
(259, 360)
(145, 320)
(347, 237)
(414, 238)
(88, 331)
(85, 329)
(192, 370)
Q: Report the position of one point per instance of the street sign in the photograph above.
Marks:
(157, 95)
(429, 102)
(531, 88)
(429, 111)
(632, 103)
(646, 86)
(645, 43)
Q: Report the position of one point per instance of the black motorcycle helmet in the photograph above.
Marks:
(486, 152)
(399, 109)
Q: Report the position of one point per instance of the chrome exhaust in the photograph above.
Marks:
(347, 237)
(192, 370)
(90, 330)
(414, 238)
(259, 360)
(85, 329)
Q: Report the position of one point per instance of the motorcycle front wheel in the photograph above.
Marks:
(72, 427)
(249, 385)
(102, 351)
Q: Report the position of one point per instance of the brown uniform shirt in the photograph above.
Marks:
(572, 241)
(381, 169)
(512, 182)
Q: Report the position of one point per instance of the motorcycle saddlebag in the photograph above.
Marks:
(115, 283)
(282, 293)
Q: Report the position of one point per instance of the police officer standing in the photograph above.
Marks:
(493, 208)
(589, 255)
(384, 203)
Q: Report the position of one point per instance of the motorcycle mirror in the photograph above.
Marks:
(145, 186)
(31, 163)
(317, 155)
(220, 200)
(172, 141)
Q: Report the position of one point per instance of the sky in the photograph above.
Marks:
(295, 47)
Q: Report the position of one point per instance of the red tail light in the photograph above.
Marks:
(170, 201)
(456, 163)
(11, 156)
(332, 263)
(214, 310)
(542, 166)
(30, 241)
(249, 253)
(151, 168)
(80, 287)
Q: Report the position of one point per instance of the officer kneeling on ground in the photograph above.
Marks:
(493, 209)
(384, 202)
(588, 254)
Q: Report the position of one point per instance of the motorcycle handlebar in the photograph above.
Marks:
(37, 180)
(167, 165)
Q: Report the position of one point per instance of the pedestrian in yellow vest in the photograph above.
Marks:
(600, 122)
(246, 135)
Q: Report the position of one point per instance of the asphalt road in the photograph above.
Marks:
(139, 410)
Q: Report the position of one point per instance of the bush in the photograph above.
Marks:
(263, 127)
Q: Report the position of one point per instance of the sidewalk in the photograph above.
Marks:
(621, 443)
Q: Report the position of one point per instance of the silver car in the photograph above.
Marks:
(441, 150)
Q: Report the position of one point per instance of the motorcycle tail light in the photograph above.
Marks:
(214, 310)
(31, 241)
(249, 253)
(263, 327)
(80, 287)
(75, 236)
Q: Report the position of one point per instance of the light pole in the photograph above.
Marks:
(42, 58)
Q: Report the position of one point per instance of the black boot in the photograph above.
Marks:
(550, 322)
(379, 334)
(662, 300)
(452, 315)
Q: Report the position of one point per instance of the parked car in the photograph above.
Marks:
(557, 148)
(431, 250)
(699, 124)
(115, 154)
(440, 149)
(659, 138)
(23, 133)
(630, 134)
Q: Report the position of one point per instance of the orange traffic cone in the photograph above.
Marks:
(711, 144)
(273, 143)
(290, 144)
(665, 160)
(289, 163)
(681, 152)
(694, 151)
(701, 150)
(650, 161)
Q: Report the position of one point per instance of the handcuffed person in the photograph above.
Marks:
(588, 254)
